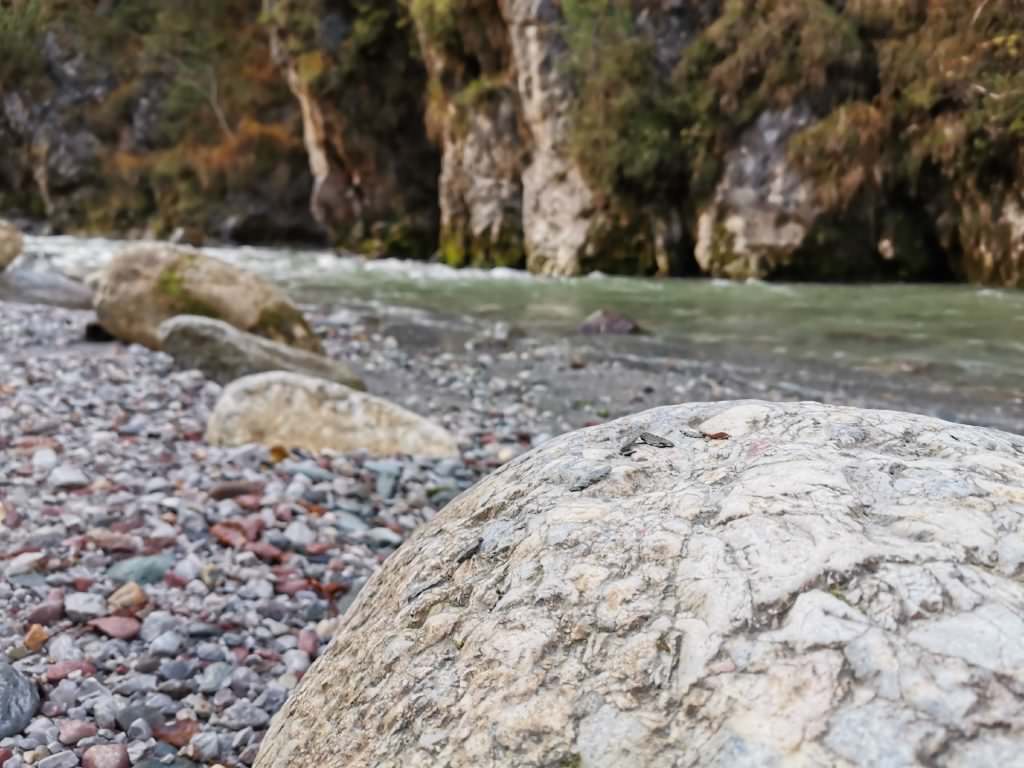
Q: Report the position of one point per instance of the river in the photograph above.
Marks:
(953, 350)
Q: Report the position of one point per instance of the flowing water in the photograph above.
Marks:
(964, 341)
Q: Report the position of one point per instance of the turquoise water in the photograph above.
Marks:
(951, 335)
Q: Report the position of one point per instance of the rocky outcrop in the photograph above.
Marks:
(145, 285)
(223, 353)
(991, 233)
(295, 411)
(10, 244)
(361, 90)
(763, 208)
(747, 583)
(105, 137)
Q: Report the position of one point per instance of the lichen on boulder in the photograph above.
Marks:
(144, 285)
(749, 583)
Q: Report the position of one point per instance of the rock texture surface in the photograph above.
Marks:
(223, 353)
(144, 285)
(10, 244)
(296, 411)
(786, 584)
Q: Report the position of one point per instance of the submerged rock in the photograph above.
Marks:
(607, 321)
(10, 244)
(144, 285)
(224, 353)
(756, 583)
(295, 411)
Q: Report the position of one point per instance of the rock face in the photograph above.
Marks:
(19, 700)
(10, 244)
(223, 353)
(297, 411)
(780, 584)
(144, 285)
(762, 208)
(992, 235)
(361, 90)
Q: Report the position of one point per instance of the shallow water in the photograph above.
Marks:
(954, 338)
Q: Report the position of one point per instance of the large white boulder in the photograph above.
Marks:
(786, 584)
(297, 411)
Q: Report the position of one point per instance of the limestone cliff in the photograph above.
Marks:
(792, 139)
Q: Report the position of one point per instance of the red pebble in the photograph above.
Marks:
(265, 551)
(82, 584)
(249, 502)
(5, 755)
(174, 580)
(309, 642)
(118, 627)
(291, 586)
(106, 756)
(46, 614)
(228, 535)
(57, 672)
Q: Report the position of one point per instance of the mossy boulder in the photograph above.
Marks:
(10, 243)
(145, 285)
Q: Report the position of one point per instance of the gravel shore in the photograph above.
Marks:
(163, 596)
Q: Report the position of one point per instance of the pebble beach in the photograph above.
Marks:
(165, 595)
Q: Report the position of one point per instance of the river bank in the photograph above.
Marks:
(241, 564)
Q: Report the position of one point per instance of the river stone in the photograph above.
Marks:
(36, 286)
(144, 285)
(224, 353)
(295, 411)
(10, 243)
(19, 700)
(814, 585)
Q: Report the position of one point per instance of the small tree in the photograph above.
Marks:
(190, 44)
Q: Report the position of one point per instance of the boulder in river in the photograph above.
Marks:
(19, 701)
(750, 583)
(10, 244)
(223, 353)
(296, 411)
(144, 285)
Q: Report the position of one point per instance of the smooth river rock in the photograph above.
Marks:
(745, 584)
(144, 285)
(19, 701)
(35, 286)
(295, 411)
(10, 243)
(223, 353)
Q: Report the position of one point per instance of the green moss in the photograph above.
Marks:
(285, 323)
(461, 249)
(625, 125)
(171, 287)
